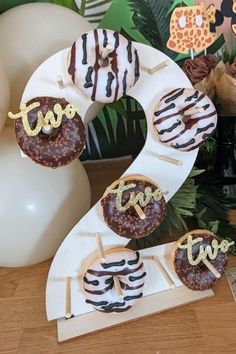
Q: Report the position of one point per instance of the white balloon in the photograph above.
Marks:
(4, 95)
(30, 34)
(38, 205)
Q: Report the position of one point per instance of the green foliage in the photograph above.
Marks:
(113, 132)
(67, 3)
(8, 4)
(181, 3)
(228, 57)
(152, 20)
(85, 5)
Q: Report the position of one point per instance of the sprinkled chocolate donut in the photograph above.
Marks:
(184, 119)
(133, 206)
(58, 147)
(99, 286)
(103, 79)
(189, 254)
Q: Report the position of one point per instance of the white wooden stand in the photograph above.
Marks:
(147, 306)
(80, 243)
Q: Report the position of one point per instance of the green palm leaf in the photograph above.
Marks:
(152, 20)
(93, 10)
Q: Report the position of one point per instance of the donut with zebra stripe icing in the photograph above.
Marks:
(103, 80)
(184, 132)
(99, 286)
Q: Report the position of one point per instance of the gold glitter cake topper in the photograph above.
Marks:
(141, 198)
(210, 251)
(49, 119)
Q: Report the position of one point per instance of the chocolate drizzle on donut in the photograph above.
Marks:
(113, 308)
(170, 134)
(112, 305)
(195, 95)
(163, 119)
(132, 297)
(96, 65)
(135, 261)
(105, 39)
(84, 38)
(168, 130)
(129, 51)
(179, 93)
(72, 68)
(114, 67)
(132, 278)
(109, 83)
(171, 106)
(136, 66)
(206, 136)
(124, 271)
(128, 287)
(198, 277)
(113, 264)
(124, 82)
(96, 303)
(188, 125)
(117, 41)
(180, 146)
(99, 294)
(88, 78)
(200, 130)
(170, 93)
(205, 106)
(191, 105)
(92, 282)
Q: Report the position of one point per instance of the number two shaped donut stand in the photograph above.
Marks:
(80, 244)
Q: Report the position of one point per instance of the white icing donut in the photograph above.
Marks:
(184, 132)
(105, 83)
(99, 284)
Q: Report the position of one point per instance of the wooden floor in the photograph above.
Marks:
(205, 327)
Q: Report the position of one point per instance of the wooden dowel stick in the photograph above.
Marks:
(100, 247)
(157, 67)
(68, 313)
(47, 129)
(60, 82)
(170, 159)
(139, 211)
(192, 53)
(118, 287)
(107, 50)
(193, 111)
(211, 268)
(164, 272)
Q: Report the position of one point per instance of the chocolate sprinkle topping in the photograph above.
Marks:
(128, 223)
(60, 147)
(198, 277)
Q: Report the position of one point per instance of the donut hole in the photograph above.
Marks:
(132, 212)
(50, 135)
(202, 267)
(103, 62)
(189, 121)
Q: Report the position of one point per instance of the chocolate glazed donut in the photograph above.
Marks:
(198, 277)
(127, 223)
(61, 146)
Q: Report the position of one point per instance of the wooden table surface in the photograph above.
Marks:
(208, 326)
